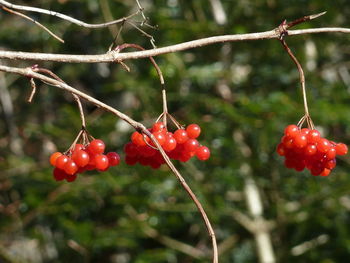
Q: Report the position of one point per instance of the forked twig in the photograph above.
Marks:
(34, 21)
(65, 17)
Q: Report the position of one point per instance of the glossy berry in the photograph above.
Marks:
(113, 158)
(291, 130)
(54, 157)
(203, 153)
(323, 145)
(158, 126)
(81, 158)
(101, 162)
(169, 144)
(70, 167)
(193, 131)
(299, 140)
(61, 161)
(341, 148)
(191, 145)
(314, 136)
(180, 136)
(96, 146)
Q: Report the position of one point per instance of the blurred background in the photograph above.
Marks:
(241, 94)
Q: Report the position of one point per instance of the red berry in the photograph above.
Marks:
(71, 178)
(331, 164)
(113, 158)
(193, 131)
(323, 145)
(325, 172)
(299, 140)
(101, 162)
(61, 161)
(287, 142)
(180, 136)
(341, 148)
(191, 145)
(170, 143)
(59, 174)
(78, 147)
(81, 158)
(96, 146)
(138, 139)
(158, 126)
(160, 137)
(310, 149)
(305, 131)
(130, 149)
(291, 130)
(314, 136)
(53, 158)
(331, 153)
(70, 167)
(203, 153)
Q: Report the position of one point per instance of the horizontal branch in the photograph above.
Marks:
(113, 56)
(63, 16)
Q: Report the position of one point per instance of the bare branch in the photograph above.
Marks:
(63, 16)
(34, 21)
(113, 56)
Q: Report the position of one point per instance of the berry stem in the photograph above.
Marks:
(80, 106)
(284, 32)
(165, 106)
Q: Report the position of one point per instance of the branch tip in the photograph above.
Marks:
(317, 15)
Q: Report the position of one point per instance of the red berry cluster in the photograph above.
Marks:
(180, 145)
(82, 158)
(305, 148)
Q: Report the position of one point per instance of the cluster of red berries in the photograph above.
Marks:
(82, 158)
(180, 145)
(305, 148)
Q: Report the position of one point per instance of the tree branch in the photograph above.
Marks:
(29, 72)
(65, 17)
(113, 56)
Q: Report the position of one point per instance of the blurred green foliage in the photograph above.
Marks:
(241, 94)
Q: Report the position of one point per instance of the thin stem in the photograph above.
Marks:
(33, 85)
(34, 21)
(80, 106)
(29, 72)
(301, 74)
(165, 107)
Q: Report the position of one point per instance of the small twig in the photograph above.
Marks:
(31, 96)
(34, 21)
(65, 17)
(304, 19)
(151, 38)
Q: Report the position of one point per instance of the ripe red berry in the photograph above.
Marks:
(341, 148)
(191, 145)
(113, 158)
(291, 130)
(160, 137)
(59, 174)
(101, 162)
(310, 149)
(325, 172)
(203, 153)
(180, 136)
(78, 147)
(81, 158)
(280, 149)
(299, 140)
(96, 146)
(61, 161)
(170, 143)
(130, 149)
(193, 131)
(71, 178)
(131, 160)
(158, 126)
(53, 158)
(70, 167)
(314, 136)
(323, 145)
(138, 139)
